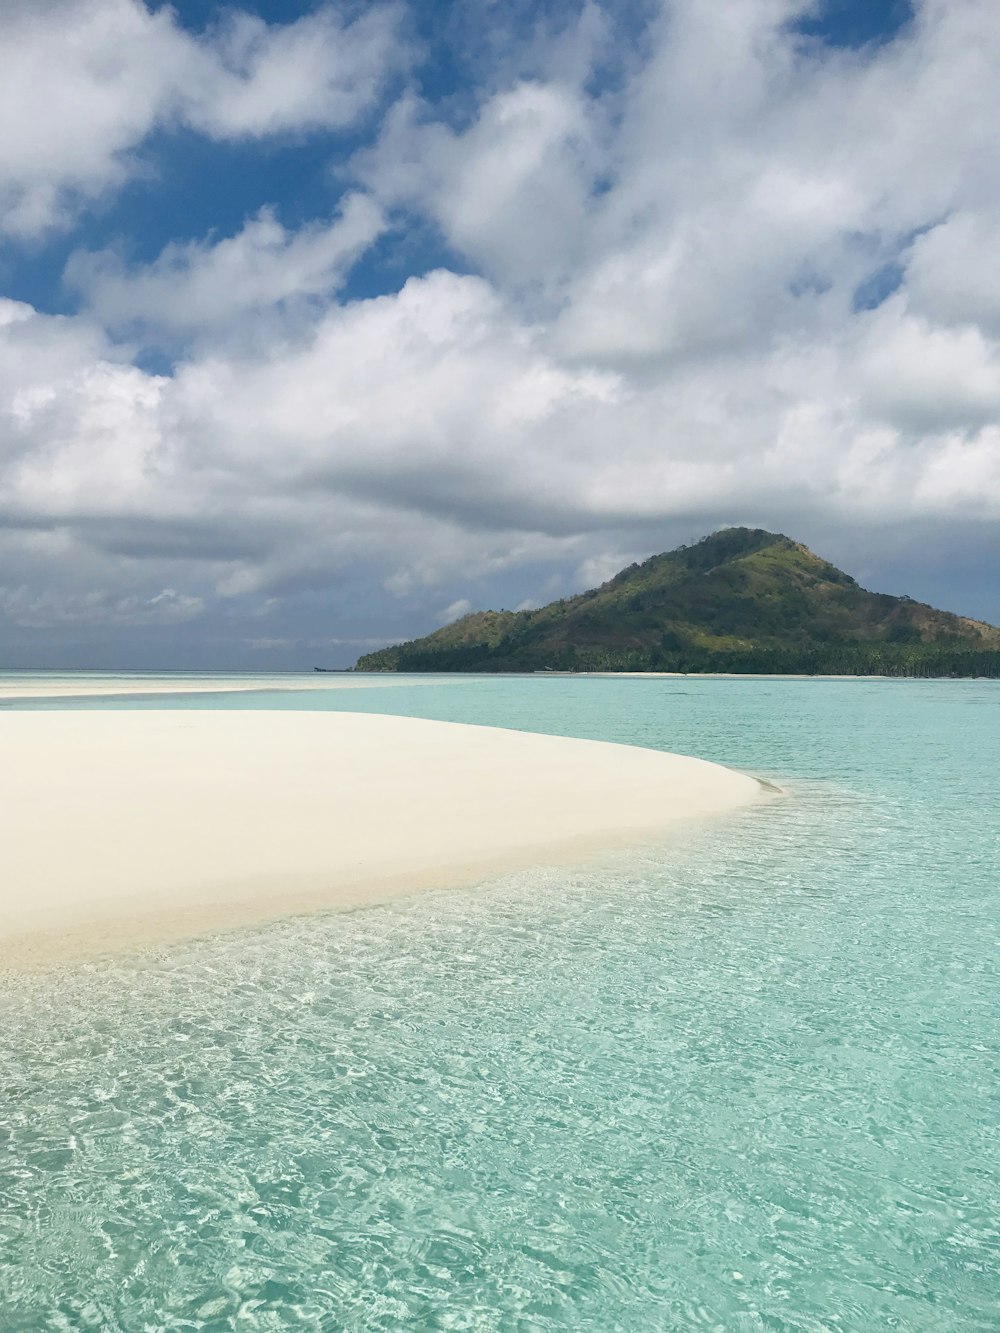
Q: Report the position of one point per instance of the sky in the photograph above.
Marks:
(324, 323)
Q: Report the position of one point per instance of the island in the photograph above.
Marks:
(743, 601)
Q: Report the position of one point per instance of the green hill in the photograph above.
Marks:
(742, 600)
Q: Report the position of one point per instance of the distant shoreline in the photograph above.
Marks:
(33, 687)
(665, 675)
(757, 675)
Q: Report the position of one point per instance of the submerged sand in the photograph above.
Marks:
(119, 828)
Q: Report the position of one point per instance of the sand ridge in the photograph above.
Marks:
(119, 827)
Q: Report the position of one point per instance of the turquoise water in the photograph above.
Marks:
(751, 1085)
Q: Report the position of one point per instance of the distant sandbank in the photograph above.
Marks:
(121, 828)
(41, 686)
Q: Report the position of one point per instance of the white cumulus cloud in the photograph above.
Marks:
(85, 82)
(201, 287)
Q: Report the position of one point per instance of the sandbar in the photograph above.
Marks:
(121, 828)
(65, 686)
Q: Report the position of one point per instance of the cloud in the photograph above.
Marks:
(951, 277)
(455, 611)
(782, 181)
(277, 465)
(27, 608)
(511, 192)
(926, 378)
(319, 72)
(743, 183)
(85, 82)
(204, 288)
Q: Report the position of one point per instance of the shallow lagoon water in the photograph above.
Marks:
(751, 1084)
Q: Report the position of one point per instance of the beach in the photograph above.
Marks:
(125, 828)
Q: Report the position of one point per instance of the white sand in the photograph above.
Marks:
(80, 688)
(123, 827)
(29, 686)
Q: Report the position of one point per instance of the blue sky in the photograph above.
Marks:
(326, 322)
(857, 23)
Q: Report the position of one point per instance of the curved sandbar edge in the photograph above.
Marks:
(119, 828)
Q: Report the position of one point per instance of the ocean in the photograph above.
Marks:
(748, 1084)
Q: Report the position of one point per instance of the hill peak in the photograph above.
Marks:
(741, 599)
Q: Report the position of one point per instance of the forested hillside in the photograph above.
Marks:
(742, 600)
